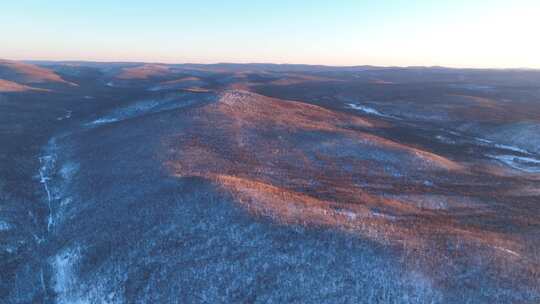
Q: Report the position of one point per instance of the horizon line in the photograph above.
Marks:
(269, 63)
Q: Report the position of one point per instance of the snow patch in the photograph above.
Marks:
(53, 176)
(66, 201)
(46, 170)
(472, 87)
(64, 274)
(66, 116)
(4, 226)
(102, 121)
(428, 183)
(382, 215)
(526, 164)
(511, 148)
(508, 251)
(444, 139)
(482, 140)
(68, 170)
(143, 107)
(365, 109)
(501, 146)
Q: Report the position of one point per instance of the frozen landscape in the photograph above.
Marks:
(263, 183)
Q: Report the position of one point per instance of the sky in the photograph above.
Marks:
(474, 33)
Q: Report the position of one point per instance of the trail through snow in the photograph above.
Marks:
(48, 164)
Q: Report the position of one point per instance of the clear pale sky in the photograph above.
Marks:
(474, 33)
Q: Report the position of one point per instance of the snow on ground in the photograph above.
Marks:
(68, 170)
(524, 161)
(67, 115)
(367, 110)
(488, 142)
(55, 177)
(48, 164)
(526, 164)
(478, 141)
(508, 251)
(144, 107)
(445, 139)
(473, 87)
(512, 148)
(102, 121)
(64, 266)
(483, 140)
(4, 226)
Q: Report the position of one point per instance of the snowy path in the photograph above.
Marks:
(46, 171)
